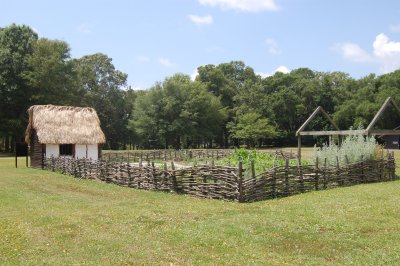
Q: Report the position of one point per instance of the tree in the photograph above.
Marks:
(177, 112)
(101, 84)
(50, 74)
(251, 128)
(16, 45)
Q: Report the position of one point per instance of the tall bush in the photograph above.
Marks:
(355, 148)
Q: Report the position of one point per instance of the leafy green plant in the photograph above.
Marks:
(262, 160)
(352, 149)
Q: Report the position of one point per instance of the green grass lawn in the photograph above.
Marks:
(48, 218)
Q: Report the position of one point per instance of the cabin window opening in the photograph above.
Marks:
(66, 149)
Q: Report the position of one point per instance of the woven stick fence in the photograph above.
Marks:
(228, 183)
(166, 155)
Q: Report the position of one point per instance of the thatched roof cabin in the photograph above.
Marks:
(63, 130)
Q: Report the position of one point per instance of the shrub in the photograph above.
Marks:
(355, 147)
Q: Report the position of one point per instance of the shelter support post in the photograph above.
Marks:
(299, 147)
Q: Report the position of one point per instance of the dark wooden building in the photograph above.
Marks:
(391, 142)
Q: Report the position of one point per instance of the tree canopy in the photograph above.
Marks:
(227, 105)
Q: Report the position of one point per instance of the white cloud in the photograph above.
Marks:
(142, 59)
(387, 52)
(194, 75)
(201, 20)
(273, 47)
(353, 52)
(282, 69)
(85, 28)
(395, 28)
(35, 30)
(242, 5)
(165, 62)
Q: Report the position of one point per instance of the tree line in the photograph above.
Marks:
(226, 105)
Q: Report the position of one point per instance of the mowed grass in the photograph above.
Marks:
(52, 219)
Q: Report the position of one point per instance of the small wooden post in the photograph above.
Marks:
(338, 176)
(274, 195)
(287, 177)
(153, 169)
(128, 168)
(300, 169)
(165, 181)
(253, 172)
(324, 175)
(349, 176)
(362, 169)
(240, 174)
(299, 147)
(316, 174)
(174, 183)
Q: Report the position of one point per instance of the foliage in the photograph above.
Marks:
(177, 112)
(263, 161)
(16, 45)
(100, 84)
(251, 127)
(352, 149)
(226, 105)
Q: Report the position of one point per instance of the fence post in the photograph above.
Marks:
(153, 172)
(325, 176)
(174, 183)
(392, 167)
(316, 174)
(240, 180)
(381, 167)
(165, 180)
(300, 170)
(362, 169)
(52, 163)
(128, 169)
(338, 175)
(287, 177)
(253, 172)
(274, 182)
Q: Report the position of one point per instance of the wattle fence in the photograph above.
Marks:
(228, 183)
(166, 155)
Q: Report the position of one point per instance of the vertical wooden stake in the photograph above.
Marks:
(287, 177)
(240, 174)
(316, 175)
(299, 147)
(301, 179)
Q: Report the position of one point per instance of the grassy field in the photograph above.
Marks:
(48, 218)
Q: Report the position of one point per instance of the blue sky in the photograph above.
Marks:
(150, 40)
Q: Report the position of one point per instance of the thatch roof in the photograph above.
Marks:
(64, 124)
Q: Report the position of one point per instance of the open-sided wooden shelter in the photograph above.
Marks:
(63, 131)
(369, 131)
